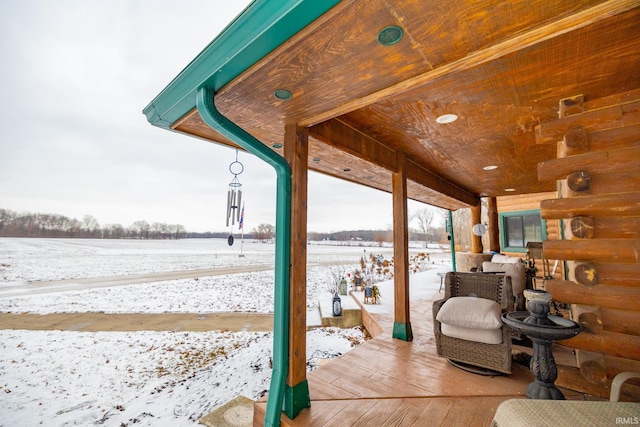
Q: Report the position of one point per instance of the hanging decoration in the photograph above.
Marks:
(234, 199)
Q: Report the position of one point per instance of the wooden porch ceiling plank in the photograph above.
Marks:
(518, 42)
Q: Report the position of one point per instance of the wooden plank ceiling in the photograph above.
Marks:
(501, 67)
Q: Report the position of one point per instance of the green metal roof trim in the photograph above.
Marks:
(258, 30)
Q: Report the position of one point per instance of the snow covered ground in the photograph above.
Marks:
(61, 378)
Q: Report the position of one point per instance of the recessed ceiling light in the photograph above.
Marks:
(316, 159)
(390, 35)
(276, 145)
(490, 167)
(509, 189)
(346, 170)
(447, 118)
(282, 94)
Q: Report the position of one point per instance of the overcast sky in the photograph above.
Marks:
(74, 79)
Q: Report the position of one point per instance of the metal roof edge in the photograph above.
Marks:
(258, 30)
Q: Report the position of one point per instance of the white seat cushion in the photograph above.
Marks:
(470, 312)
(487, 336)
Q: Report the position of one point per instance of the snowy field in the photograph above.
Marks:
(61, 378)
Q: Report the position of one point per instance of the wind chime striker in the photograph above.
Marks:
(234, 198)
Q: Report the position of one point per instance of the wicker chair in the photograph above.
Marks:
(495, 357)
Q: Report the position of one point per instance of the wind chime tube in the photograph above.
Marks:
(228, 206)
(233, 207)
(238, 205)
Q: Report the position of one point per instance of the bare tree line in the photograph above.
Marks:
(429, 228)
(28, 224)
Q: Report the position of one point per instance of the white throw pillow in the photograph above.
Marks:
(515, 271)
(487, 336)
(470, 312)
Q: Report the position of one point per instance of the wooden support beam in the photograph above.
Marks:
(520, 41)
(571, 378)
(424, 177)
(611, 343)
(620, 321)
(616, 297)
(402, 324)
(614, 99)
(476, 218)
(588, 316)
(607, 182)
(621, 159)
(617, 116)
(616, 274)
(607, 139)
(571, 106)
(606, 205)
(586, 273)
(609, 274)
(344, 137)
(578, 141)
(582, 227)
(296, 146)
(494, 228)
(603, 250)
(340, 135)
(579, 182)
(586, 227)
(592, 366)
(575, 141)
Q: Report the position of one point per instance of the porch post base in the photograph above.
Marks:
(402, 331)
(296, 399)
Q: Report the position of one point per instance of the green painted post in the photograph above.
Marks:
(452, 241)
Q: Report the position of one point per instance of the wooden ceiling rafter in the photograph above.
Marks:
(344, 137)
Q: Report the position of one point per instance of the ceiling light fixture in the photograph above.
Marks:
(282, 94)
(510, 189)
(390, 35)
(346, 170)
(316, 159)
(490, 167)
(276, 145)
(447, 118)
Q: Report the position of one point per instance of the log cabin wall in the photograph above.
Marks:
(598, 203)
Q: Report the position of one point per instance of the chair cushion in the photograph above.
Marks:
(487, 336)
(505, 259)
(515, 271)
(470, 312)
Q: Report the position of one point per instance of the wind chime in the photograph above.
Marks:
(234, 200)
